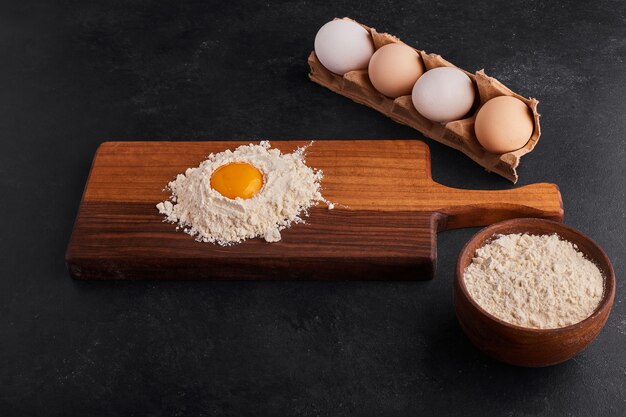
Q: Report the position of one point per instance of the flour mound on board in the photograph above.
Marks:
(541, 282)
(289, 189)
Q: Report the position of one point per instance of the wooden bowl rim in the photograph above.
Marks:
(603, 263)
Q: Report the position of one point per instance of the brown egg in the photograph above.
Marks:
(504, 124)
(394, 69)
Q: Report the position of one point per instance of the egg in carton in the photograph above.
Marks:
(458, 134)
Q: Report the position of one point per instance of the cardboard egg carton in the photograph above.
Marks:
(458, 134)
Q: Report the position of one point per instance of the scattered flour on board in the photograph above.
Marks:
(533, 281)
(289, 189)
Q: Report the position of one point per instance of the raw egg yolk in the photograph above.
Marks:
(237, 179)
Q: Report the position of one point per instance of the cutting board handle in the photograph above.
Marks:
(471, 208)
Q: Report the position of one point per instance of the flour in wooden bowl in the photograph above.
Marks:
(289, 189)
(541, 282)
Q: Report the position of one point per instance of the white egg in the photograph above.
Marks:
(443, 94)
(343, 46)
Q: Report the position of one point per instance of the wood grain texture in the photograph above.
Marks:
(523, 346)
(388, 212)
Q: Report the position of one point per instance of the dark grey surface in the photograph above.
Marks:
(76, 73)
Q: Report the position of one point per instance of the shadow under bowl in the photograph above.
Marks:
(524, 346)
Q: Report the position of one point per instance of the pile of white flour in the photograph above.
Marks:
(289, 189)
(540, 282)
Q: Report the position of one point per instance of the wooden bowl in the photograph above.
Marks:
(523, 346)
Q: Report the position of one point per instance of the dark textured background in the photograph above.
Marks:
(76, 73)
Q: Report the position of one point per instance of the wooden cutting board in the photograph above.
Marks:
(385, 225)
